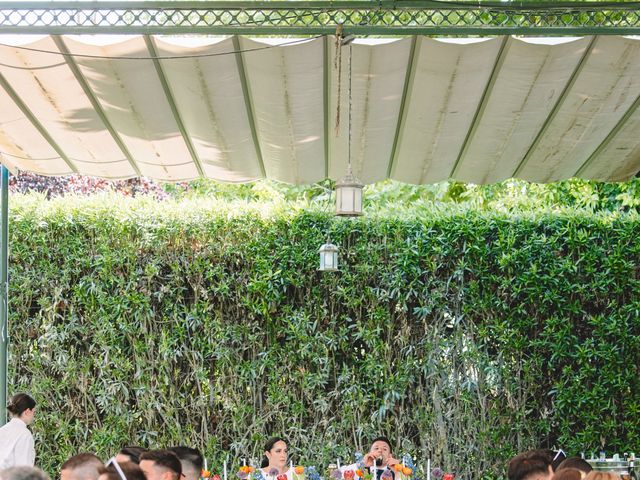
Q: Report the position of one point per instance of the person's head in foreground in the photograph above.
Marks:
(121, 471)
(553, 457)
(577, 463)
(130, 454)
(190, 460)
(23, 473)
(593, 475)
(84, 466)
(160, 465)
(22, 406)
(568, 474)
(531, 465)
(276, 454)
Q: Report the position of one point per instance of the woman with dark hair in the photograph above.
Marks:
(274, 461)
(16, 441)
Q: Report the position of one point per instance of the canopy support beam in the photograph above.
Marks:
(4, 287)
(486, 95)
(556, 107)
(414, 54)
(88, 91)
(35, 122)
(630, 111)
(166, 88)
(246, 91)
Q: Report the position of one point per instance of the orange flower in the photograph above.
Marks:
(245, 469)
(250, 469)
(299, 470)
(205, 473)
(397, 467)
(407, 471)
(360, 473)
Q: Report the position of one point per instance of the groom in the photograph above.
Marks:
(378, 459)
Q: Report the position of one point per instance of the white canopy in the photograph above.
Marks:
(423, 110)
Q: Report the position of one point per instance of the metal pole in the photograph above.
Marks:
(4, 291)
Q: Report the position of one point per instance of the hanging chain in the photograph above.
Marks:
(337, 63)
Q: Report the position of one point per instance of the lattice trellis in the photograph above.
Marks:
(319, 17)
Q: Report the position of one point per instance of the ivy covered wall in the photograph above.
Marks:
(464, 336)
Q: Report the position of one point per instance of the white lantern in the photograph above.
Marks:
(349, 196)
(328, 258)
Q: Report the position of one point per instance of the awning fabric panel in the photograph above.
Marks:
(605, 89)
(527, 87)
(286, 92)
(449, 82)
(377, 79)
(422, 110)
(135, 104)
(210, 100)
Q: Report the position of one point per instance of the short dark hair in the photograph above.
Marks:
(19, 403)
(575, 462)
(133, 453)
(131, 471)
(567, 474)
(382, 439)
(23, 473)
(165, 459)
(83, 465)
(189, 455)
(553, 457)
(526, 464)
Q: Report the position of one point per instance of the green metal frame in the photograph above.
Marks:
(477, 117)
(168, 93)
(36, 123)
(307, 18)
(248, 102)
(321, 17)
(414, 54)
(4, 286)
(556, 107)
(95, 103)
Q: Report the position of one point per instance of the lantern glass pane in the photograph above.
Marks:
(328, 259)
(349, 200)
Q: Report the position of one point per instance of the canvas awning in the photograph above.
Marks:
(423, 109)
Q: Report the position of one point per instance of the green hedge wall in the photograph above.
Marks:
(464, 336)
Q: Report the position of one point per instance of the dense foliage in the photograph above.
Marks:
(464, 334)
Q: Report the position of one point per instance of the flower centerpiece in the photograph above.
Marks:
(298, 472)
(245, 471)
(311, 473)
(437, 473)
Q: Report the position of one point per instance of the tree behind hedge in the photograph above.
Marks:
(463, 336)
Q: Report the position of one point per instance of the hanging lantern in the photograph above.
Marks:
(328, 258)
(349, 188)
(349, 196)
